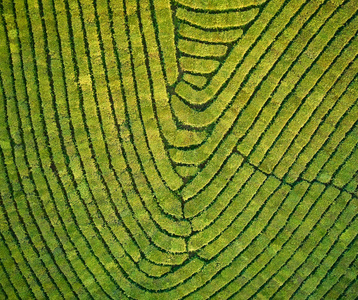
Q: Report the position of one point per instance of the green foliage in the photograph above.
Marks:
(178, 149)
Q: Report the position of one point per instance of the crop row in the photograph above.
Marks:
(292, 117)
(272, 246)
(69, 184)
(235, 57)
(207, 35)
(229, 262)
(91, 202)
(225, 123)
(219, 146)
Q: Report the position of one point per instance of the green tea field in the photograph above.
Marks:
(178, 149)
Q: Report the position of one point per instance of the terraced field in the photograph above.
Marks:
(188, 149)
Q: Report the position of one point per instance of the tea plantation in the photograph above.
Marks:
(178, 149)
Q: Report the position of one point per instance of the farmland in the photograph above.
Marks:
(187, 149)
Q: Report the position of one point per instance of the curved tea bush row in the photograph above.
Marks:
(169, 149)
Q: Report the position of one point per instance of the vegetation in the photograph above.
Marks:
(157, 149)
